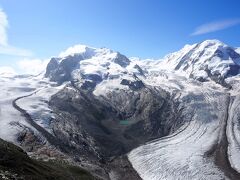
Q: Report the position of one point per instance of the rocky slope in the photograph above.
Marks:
(111, 110)
(15, 164)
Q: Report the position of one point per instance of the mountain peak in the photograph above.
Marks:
(84, 50)
(204, 60)
(83, 63)
(212, 42)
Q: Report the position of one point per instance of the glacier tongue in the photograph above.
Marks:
(11, 121)
(233, 133)
(200, 149)
(186, 154)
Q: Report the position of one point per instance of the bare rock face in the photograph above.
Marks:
(60, 71)
(106, 124)
(122, 60)
(97, 129)
(52, 66)
(133, 85)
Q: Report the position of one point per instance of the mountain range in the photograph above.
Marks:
(115, 117)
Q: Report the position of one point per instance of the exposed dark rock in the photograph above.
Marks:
(98, 128)
(133, 85)
(120, 168)
(141, 72)
(122, 60)
(88, 85)
(61, 72)
(93, 77)
(216, 77)
(233, 71)
(232, 53)
(52, 66)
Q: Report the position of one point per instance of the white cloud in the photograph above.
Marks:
(32, 66)
(7, 71)
(73, 50)
(5, 48)
(10, 50)
(215, 26)
(3, 28)
(25, 66)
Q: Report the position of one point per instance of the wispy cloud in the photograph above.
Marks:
(3, 28)
(215, 26)
(5, 47)
(6, 71)
(32, 66)
(26, 63)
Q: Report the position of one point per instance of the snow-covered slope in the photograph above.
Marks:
(237, 50)
(10, 119)
(88, 67)
(37, 91)
(201, 61)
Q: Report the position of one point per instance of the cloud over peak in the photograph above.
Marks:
(5, 47)
(7, 71)
(3, 28)
(215, 26)
(32, 66)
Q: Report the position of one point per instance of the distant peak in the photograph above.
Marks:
(212, 42)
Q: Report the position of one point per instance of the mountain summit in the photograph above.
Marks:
(205, 59)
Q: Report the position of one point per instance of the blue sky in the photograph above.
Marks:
(40, 29)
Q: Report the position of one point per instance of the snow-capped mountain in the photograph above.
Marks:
(173, 118)
(202, 61)
(89, 66)
(208, 60)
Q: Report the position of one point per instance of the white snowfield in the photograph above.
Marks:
(210, 112)
(8, 115)
(37, 104)
(12, 87)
